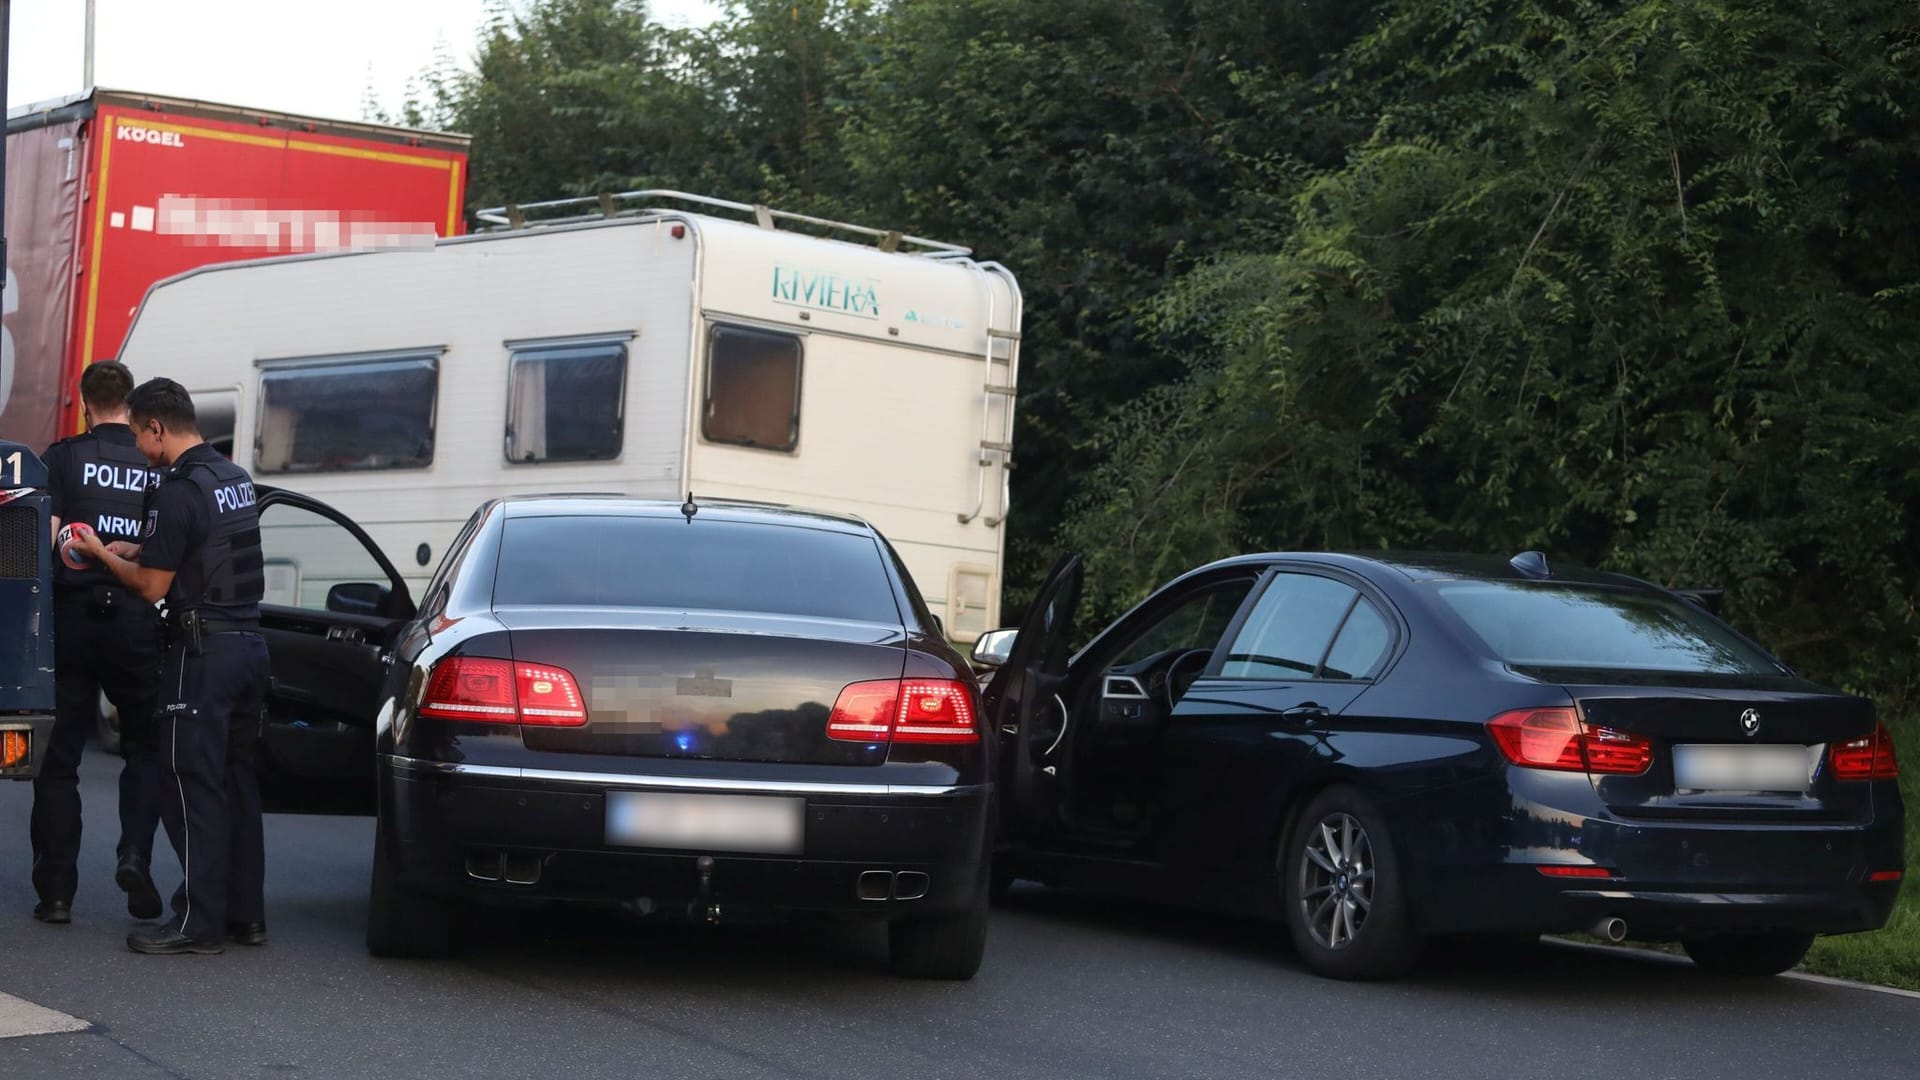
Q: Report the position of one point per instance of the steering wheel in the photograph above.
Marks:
(1175, 689)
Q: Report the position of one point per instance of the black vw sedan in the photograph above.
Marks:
(1379, 750)
(708, 712)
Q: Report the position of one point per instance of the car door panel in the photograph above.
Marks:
(1020, 704)
(1122, 691)
(1233, 749)
(1242, 737)
(328, 665)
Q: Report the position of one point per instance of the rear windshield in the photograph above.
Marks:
(699, 566)
(1558, 626)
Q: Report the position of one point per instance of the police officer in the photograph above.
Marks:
(105, 638)
(201, 552)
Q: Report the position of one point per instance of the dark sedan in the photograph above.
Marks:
(1380, 750)
(711, 712)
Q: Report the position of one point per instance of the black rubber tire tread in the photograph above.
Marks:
(946, 948)
(402, 923)
(1752, 955)
(1387, 944)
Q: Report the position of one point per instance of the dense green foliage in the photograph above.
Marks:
(1636, 283)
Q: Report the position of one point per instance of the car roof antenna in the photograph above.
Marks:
(689, 508)
(1531, 564)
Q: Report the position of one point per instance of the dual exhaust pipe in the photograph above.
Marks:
(892, 885)
(514, 868)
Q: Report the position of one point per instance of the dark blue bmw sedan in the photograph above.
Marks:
(1381, 750)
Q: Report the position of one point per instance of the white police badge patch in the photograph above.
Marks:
(153, 521)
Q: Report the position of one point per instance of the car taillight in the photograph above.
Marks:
(865, 711)
(1869, 757)
(905, 711)
(1557, 739)
(935, 711)
(549, 696)
(1575, 871)
(482, 690)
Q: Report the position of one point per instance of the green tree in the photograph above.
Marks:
(1096, 148)
(1634, 283)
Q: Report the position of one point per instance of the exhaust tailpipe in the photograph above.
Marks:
(1612, 929)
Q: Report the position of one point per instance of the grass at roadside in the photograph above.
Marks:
(1890, 956)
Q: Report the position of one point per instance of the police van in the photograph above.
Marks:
(26, 612)
(651, 344)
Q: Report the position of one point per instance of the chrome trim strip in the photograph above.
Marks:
(680, 783)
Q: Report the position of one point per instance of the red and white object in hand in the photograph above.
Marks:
(68, 542)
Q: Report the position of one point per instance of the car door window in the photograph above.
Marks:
(1364, 641)
(1198, 622)
(1290, 628)
(314, 563)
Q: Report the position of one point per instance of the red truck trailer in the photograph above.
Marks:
(110, 191)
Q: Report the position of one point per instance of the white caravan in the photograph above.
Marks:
(649, 351)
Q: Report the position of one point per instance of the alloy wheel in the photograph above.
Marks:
(1336, 880)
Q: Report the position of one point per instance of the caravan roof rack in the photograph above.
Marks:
(600, 207)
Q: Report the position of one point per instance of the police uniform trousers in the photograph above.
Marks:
(104, 640)
(208, 728)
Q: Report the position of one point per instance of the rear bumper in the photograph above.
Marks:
(479, 835)
(38, 728)
(1668, 878)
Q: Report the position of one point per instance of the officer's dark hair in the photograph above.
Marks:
(104, 386)
(166, 401)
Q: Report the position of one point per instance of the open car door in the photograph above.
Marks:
(1021, 701)
(333, 608)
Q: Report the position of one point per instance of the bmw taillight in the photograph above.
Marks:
(1558, 739)
(1869, 757)
(1562, 870)
(482, 690)
(906, 711)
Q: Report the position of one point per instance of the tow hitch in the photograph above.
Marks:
(704, 908)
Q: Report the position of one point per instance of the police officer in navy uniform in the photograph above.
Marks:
(105, 639)
(201, 552)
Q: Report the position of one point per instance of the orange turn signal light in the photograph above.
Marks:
(13, 749)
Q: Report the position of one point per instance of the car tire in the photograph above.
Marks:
(945, 948)
(1344, 899)
(1749, 954)
(401, 922)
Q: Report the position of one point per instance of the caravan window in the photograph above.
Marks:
(753, 388)
(347, 415)
(564, 402)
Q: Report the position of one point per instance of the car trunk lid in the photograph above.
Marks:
(1745, 749)
(710, 685)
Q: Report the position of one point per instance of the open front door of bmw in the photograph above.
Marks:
(1023, 706)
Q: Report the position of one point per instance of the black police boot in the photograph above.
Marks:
(167, 941)
(247, 933)
(136, 879)
(55, 912)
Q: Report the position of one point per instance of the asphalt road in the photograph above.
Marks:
(1073, 987)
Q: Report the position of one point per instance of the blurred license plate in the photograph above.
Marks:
(760, 823)
(1743, 768)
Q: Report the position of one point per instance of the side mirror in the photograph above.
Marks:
(993, 648)
(358, 598)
